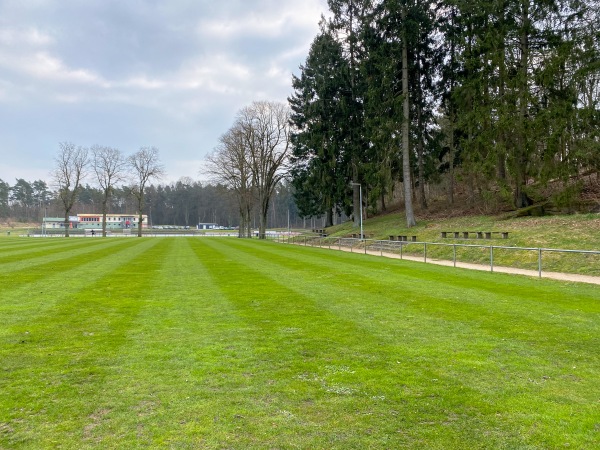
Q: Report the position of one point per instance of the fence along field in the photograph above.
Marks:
(565, 264)
(235, 343)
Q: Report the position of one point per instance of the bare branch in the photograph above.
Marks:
(109, 166)
(69, 171)
(145, 165)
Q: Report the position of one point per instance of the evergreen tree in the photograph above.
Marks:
(348, 23)
(4, 198)
(320, 127)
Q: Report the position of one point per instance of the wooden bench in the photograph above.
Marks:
(504, 234)
(407, 238)
(479, 234)
(403, 238)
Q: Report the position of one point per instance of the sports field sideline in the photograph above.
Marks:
(230, 343)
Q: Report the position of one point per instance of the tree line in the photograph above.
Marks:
(502, 96)
(185, 202)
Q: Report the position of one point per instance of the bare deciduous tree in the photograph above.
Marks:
(229, 164)
(265, 129)
(145, 165)
(109, 166)
(70, 170)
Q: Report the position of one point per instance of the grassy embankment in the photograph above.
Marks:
(227, 343)
(581, 232)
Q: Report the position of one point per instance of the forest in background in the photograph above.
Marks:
(498, 100)
(183, 203)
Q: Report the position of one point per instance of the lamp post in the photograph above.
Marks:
(361, 210)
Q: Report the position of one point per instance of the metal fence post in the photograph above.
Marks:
(454, 254)
(424, 251)
(491, 258)
(540, 262)
(401, 250)
(366, 243)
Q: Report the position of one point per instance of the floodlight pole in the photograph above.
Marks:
(361, 208)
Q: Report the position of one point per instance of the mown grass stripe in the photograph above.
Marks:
(460, 319)
(502, 292)
(13, 246)
(199, 343)
(352, 351)
(34, 291)
(43, 259)
(33, 247)
(313, 372)
(65, 354)
(406, 279)
(188, 360)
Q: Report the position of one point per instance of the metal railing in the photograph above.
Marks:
(493, 256)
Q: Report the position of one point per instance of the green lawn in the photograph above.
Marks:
(229, 343)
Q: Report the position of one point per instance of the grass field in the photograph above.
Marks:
(228, 343)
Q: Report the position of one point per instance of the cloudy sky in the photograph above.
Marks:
(133, 73)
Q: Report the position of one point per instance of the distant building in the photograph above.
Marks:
(113, 221)
(58, 222)
(207, 226)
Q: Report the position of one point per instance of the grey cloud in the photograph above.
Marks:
(140, 72)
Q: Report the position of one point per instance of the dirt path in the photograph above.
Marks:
(483, 267)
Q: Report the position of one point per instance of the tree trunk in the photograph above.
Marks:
(67, 223)
(521, 199)
(355, 174)
(451, 155)
(355, 197)
(501, 146)
(262, 220)
(104, 217)
(248, 221)
(329, 221)
(329, 213)
(410, 216)
(242, 225)
(420, 151)
(140, 204)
